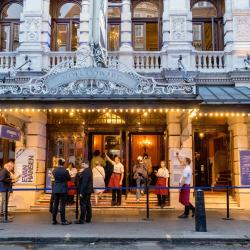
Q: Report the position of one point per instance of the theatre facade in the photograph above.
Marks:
(174, 78)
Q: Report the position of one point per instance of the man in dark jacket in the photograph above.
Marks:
(85, 189)
(5, 183)
(61, 176)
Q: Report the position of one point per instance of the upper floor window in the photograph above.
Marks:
(146, 19)
(114, 26)
(9, 26)
(208, 25)
(65, 29)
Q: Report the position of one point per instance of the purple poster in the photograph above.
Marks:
(245, 167)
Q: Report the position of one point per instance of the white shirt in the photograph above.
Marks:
(118, 168)
(98, 171)
(187, 175)
(163, 172)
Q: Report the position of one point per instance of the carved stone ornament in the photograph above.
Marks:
(178, 26)
(83, 78)
(242, 24)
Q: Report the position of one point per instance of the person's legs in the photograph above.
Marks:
(192, 208)
(83, 208)
(114, 200)
(138, 190)
(119, 197)
(88, 209)
(3, 202)
(63, 201)
(51, 203)
(55, 207)
(186, 211)
(159, 199)
(164, 199)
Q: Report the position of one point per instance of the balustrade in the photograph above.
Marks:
(7, 60)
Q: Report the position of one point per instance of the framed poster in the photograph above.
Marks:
(176, 168)
(245, 167)
(26, 165)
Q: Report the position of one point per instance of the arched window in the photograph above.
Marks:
(66, 19)
(208, 25)
(146, 19)
(9, 25)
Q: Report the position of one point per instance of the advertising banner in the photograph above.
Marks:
(26, 165)
(10, 133)
(176, 168)
(245, 167)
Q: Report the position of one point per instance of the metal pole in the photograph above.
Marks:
(228, 208)
(147, 202)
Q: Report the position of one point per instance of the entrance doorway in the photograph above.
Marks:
(212, 158)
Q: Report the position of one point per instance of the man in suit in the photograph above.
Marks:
(61, 176)
(84, 181)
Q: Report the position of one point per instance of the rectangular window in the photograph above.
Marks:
(139, 38)
(5, 38)
(75, 40)
(113, 37)
(114, 12)
(62, 37)
(197, 36)
(15, 36)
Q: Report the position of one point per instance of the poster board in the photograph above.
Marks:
(245, 167)
(26, 165)
(176, 168)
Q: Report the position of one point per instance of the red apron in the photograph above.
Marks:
(71, 185)
(161, 186)
(184, 195)
(114, 181)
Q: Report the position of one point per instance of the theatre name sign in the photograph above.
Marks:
(9, 133)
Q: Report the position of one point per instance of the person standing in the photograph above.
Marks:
(97, 157)
(60, 190)
(84, 180)
(161, 184)
(71, 184)
(116, 179)
(5, 183)
(99, 181)
(140, 174)
(184, 183)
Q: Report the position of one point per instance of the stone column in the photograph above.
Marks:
(177, 32)
(238, 128)
(85, 15)
(126, 49)
(177, 140)
(35, 30)
(237, 35)
(36, 140)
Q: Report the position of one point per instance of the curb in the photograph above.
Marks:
(70, 240)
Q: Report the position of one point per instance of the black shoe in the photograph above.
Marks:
(113, 204)
(88, 221)
(79, 222)
(54, 223)
(193, 213)
(65, 223)
(118, 204)
(183, 216)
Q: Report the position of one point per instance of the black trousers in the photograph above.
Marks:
(187, 209)
(116, 197)
(51, 203)
(161, 199)
(86, 209)
(62, 200)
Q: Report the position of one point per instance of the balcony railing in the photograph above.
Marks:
(57, 57)
(7, 60)
(209, 60)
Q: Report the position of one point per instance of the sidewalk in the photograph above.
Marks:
(127, 225)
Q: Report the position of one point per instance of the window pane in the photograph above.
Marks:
(69, 10)
(139, 36)
(146, 9)
(12, 11)
(204, 9)
(114, 37)
(62, 37)
(75, 40)
(197, 36)
(114, 12)
(15, 36)
(5, 38)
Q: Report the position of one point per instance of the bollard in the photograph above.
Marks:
(228, 209)
(200, 213)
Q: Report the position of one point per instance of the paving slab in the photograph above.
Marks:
(125, 224)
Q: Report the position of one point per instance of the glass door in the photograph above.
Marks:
(139, 37)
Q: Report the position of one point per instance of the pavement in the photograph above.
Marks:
(127, 225)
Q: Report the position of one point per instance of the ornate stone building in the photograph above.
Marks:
(129, 76)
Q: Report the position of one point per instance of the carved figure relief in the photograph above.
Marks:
(33, 26)
(178, 26)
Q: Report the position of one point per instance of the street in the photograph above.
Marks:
(141, 245)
